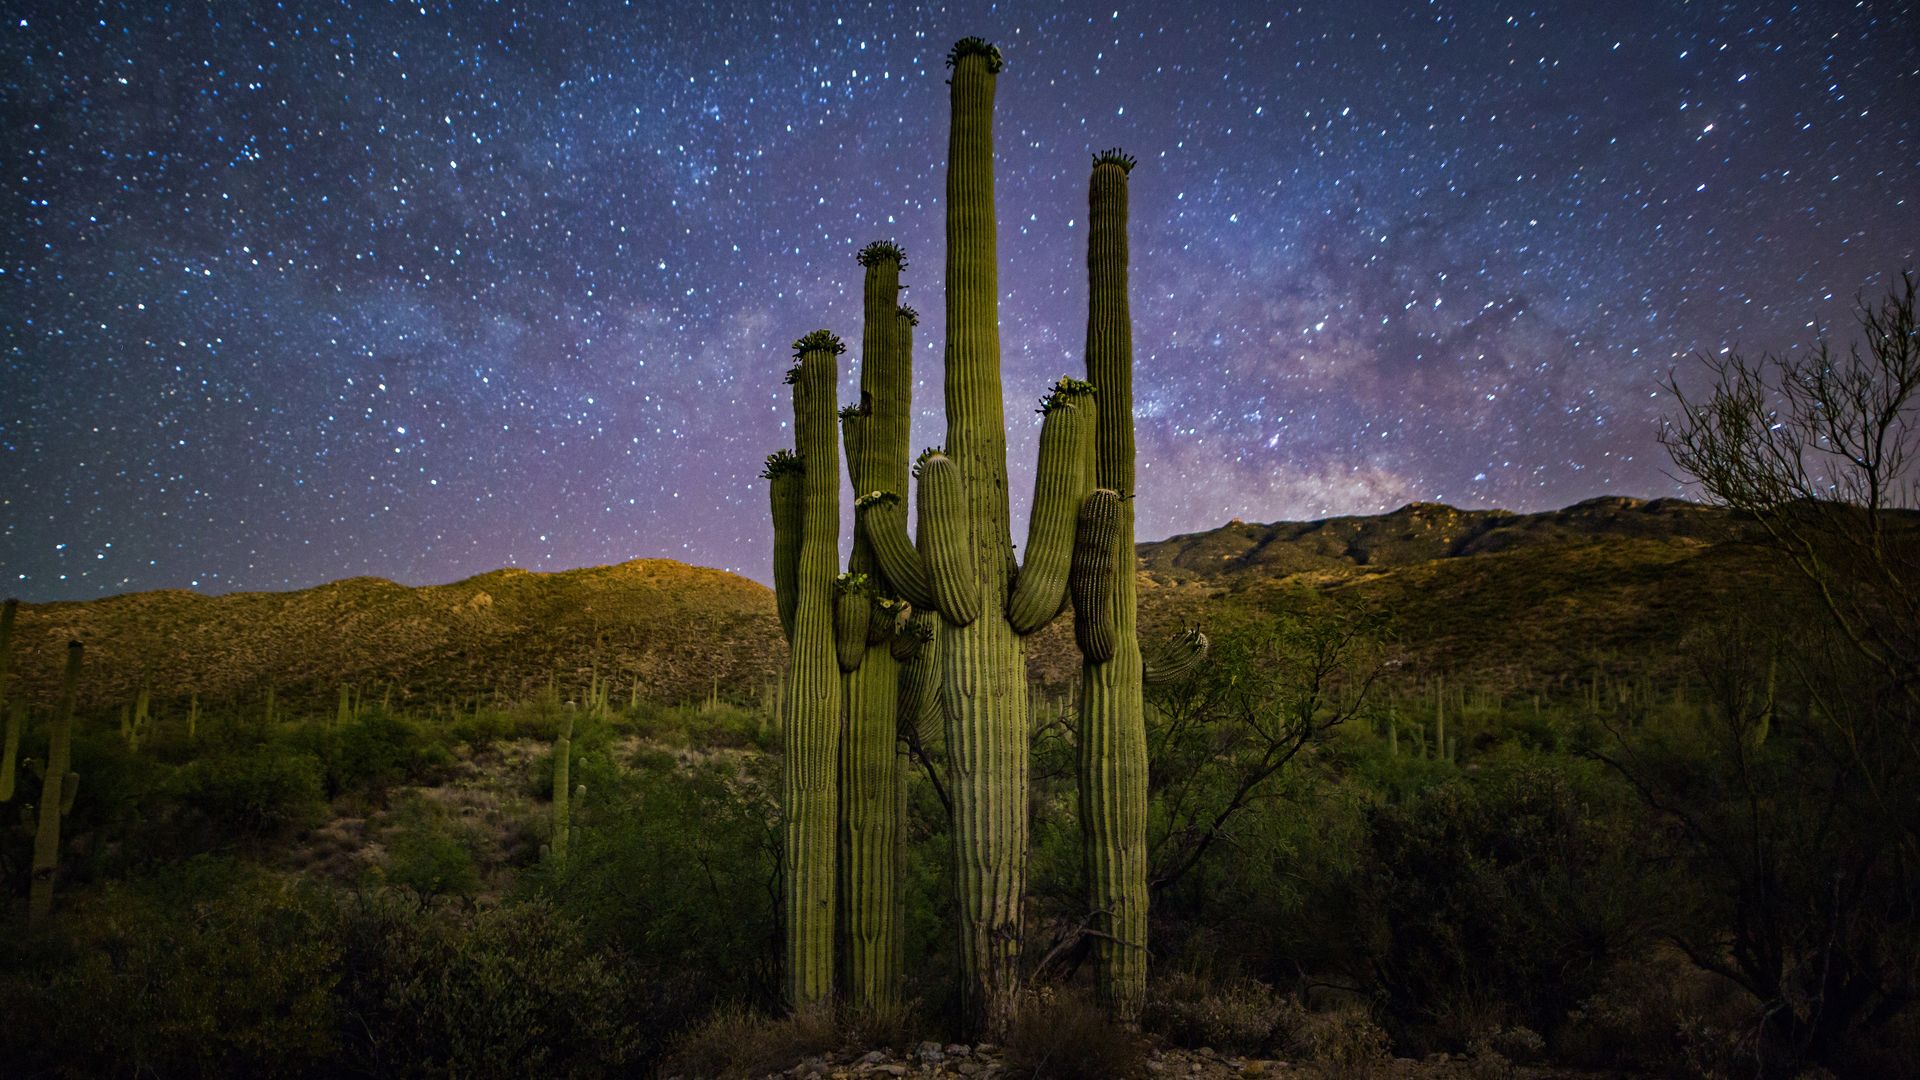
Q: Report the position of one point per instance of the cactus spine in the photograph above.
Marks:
(813, 696)
(871, 784)
(58, 788)
(1112, 745)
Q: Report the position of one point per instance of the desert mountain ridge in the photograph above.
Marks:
(1469, 589)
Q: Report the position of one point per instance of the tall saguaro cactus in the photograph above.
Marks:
(964, 567)
(1113, 742)
(806, 501)
(58, 788)
(876, 435)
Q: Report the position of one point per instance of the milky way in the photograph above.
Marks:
(368, 288)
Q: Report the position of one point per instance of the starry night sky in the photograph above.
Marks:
(423, 291)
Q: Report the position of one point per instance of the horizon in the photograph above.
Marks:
(768, 585)
(286, 308)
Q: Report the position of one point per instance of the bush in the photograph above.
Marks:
(508, 991)
(257, 792)
(737, 1043)
(1243, 1017)
(1344, 1045)
(428, 859)
(1503, 900)
(379, 750)
(676, 869)
(1063, 1037)
(214, 969)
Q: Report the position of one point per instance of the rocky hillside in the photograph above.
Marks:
(1423, 532)
(675, 628)
(1515, 598)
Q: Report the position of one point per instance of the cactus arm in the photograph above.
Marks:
(1091, 578)
(1176, 660)
(813, 698)
(950, 556)
(1059, 487)
(883, 518)
(883, 623)
(852, 608)
(786, 486)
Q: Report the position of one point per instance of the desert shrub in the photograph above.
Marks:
(1240, 1017)
(1064, 1037)
(428, 858)
(736, 1042)
(506, 991)
(677, 870)
(258, 791)
(379, 750)
(1502, 900)
(1344, 1044)
(211, 969)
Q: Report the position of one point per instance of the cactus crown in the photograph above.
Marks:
(865, 408)
(975, 46)
(924, 455)
(1065, 389)
(782, 463)
(882, 249)
(889, 604)
(912, 316)
(819, 339)
(876, 498)
(1115, 156)
(853, 585)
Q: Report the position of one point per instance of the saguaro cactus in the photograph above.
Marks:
(1113, 744)
(871, 789)
(58, 788)
(562, 789)
(14, 716)
(964, 567)
(813, 696)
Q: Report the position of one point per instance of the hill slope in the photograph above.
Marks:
(674, 627)
(1492, 595)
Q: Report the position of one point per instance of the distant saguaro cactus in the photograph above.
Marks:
(58, 789)
(562, 789)
(15, 718)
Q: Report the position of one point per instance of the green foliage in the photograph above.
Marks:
(506, 991)
(254, 792)
(1505, 900)
(211, 969)
(428, 857)
(381, 749)
(677, 869)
